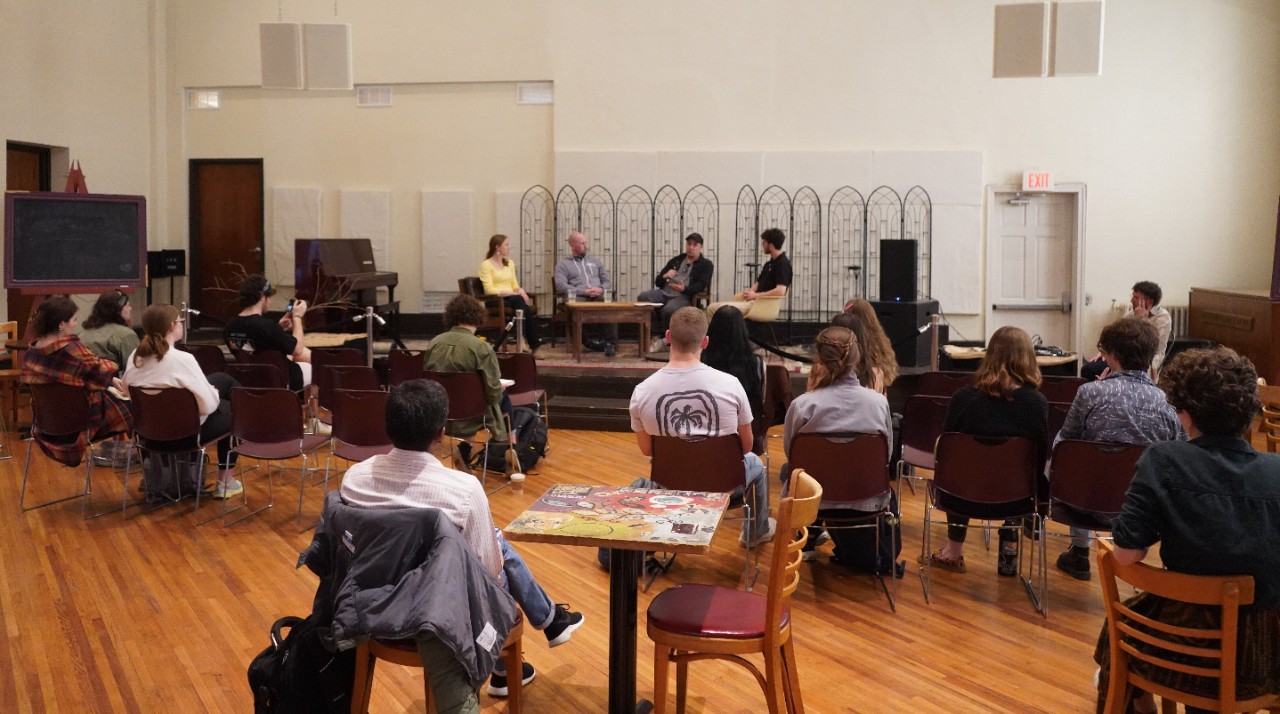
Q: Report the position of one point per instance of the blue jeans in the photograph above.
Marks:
(532, 599)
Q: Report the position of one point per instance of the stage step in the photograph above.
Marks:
(593, 413)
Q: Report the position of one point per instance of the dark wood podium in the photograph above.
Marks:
(1246, 320)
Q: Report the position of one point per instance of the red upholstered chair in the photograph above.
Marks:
(359, 426)
(60, 416)
(997, 472)
(1060, 389)
(166, 422)
(522, 368)
(267, 426)
(209, 357)
(692, 622)
(850, 467)
(943, 384)
(922, 420)
(404, 365)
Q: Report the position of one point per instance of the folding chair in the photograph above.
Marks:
(1060, 389)
(323, 359)
(359, 427)
(996, 473)
(922, 420)
(850, 467)
(943, 384)
(267, 426)
(522, 368)
(1057, 416)
(60, 417)
(467, 404)
(404, 365)
(166, 422)
(257, 376)
(209, 357)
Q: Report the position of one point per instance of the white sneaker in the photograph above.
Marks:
(227, 489)
(773, 527)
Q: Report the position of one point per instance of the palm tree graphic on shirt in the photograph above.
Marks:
(688, 414)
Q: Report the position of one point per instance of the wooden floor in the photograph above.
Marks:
(152, 615)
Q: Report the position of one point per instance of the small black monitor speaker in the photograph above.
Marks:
(166, 263)
(898, 270)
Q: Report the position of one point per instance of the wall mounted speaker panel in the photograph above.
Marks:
(327, 56)
(1077, 39)
(281, 55)
(1022, 40)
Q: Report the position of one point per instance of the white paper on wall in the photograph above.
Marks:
(367, 214)
(446, 233)
(295, 213)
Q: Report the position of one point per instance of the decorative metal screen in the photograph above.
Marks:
(846, 249)
(535, 245)
(917, 225)
(746, 240)
(597, 222)
(804, 248)
(884, 222)
(701, 215)
(634, 264)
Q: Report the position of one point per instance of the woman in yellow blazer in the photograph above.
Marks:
(498, 274)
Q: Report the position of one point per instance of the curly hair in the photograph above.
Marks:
(1010, 363)
(1132, 341)
(463, 310)
(774, 237)
(835, 353)
(878, 347)
(108, 310)
(1150, 290)
(1218, 388)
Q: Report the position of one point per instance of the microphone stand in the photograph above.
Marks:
(368, 316)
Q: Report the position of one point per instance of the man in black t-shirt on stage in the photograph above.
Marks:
(774, 279)
(254, 331)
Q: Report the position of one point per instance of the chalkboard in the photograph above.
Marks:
(66, 242)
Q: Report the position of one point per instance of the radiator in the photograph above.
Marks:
(1181, 315)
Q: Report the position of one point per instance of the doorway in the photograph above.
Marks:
(27, 168)
(1034, 258)
(227, 232)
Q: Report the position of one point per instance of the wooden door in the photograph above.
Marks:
(227, 231)
(27, 169)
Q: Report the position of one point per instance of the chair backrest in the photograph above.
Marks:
(9, 330)
(1057, 416)
(521, 368)
(165, 414)
(60, 409)
(265, 416)
(985, 469)
(404, 365)
(766, 309)
(794, 512)
(711, 463)
(943, 384)
(466, 393)
(848, 466)
(1136, 636)
(258, 376)
(354, 377)
(209, 357)
(1060, 389)
(471, 285)
(1092, 476)
(360, 417)
(922, 420)
(323, 358)
(1269, 425)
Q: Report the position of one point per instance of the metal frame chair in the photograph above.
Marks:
(943, 383)
(60, 415)
(346, 376)
(323, 359)
(359, 427)
(1134, 636)
(1057, 416)
(404, 365)
(999, 473)
(922, 421)
(850, 467)
(694, 622)
(167, 421)
(209, 357)
(522, 368)
(256, 375)
(267, 426)
(467, 402)
(1060, 389)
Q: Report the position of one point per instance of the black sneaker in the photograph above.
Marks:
(498, 682)
(563, 623)
(1075, 562)
(609, 349)
(1008, 563)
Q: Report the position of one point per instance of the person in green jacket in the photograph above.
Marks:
(107, 333)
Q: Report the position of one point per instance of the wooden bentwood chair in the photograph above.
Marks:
(1140, 644)
(693, 622)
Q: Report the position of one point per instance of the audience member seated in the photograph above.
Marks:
(1126, 407)
(689, 399)
(729, 350)
(459, 350)
(498, 275)
(1213, 504)
(869, 375)
(108, 332)
(1004, 401)
(1144, 303)
(58, 357)
(253, 331)
(411, 477)
(579, 276)
(680, 280)
(878, 348)
(774, 278)
(836, 401)
(155, 363)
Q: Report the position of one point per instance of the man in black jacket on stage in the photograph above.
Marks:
(682, 278)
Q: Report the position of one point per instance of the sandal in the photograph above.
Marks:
(936, 560)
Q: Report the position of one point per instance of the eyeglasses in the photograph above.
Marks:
(181, 319)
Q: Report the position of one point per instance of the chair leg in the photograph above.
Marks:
(682, 682)
(925, 569)
(26, 472)
(774, 680)
(795, 703)
(661, 671)
(514, 658)
(362, 685)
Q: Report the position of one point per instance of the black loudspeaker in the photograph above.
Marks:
(902, 322)
(166, 263)
(898, 270)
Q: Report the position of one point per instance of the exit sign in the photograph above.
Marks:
(1037, 180)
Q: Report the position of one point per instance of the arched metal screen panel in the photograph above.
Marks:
(633, 224)
(804, 248)
(597, 214)
(535, 245)
(746, 240)
(568, 220)
(702, 215)
(668, 221)
(773, 211)
(917, 225)
(884, 222)
(845, 267)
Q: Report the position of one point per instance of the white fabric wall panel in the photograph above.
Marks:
(446, 228)
(295, 213)
(367, 214)
(724, 171)
(614, 170)
(957, 259)
(823, 171)
(950, 177)
(506, 216)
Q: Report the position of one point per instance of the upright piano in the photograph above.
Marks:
(339, 276)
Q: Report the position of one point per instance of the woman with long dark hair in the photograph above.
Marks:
(869, 375)
(107, 331)
(498, 275)
(729, 350)
(57, 356)
(878, 347)
(1004, 401)
(155, 364)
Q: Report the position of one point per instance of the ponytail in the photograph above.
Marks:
(157, 320)
(835, 354)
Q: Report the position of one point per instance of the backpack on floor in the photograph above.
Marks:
(531, 442)
(296, 674)
(855, 548)
(167, 476)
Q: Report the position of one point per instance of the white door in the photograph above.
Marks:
(1032, 264)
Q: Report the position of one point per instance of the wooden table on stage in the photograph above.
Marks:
(1049, 364)
(627, 521)
(583, 312)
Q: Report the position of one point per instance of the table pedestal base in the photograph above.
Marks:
(624, 578)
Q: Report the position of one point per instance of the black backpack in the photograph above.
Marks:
(167, 476)
(531, 442)
(296, 674)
